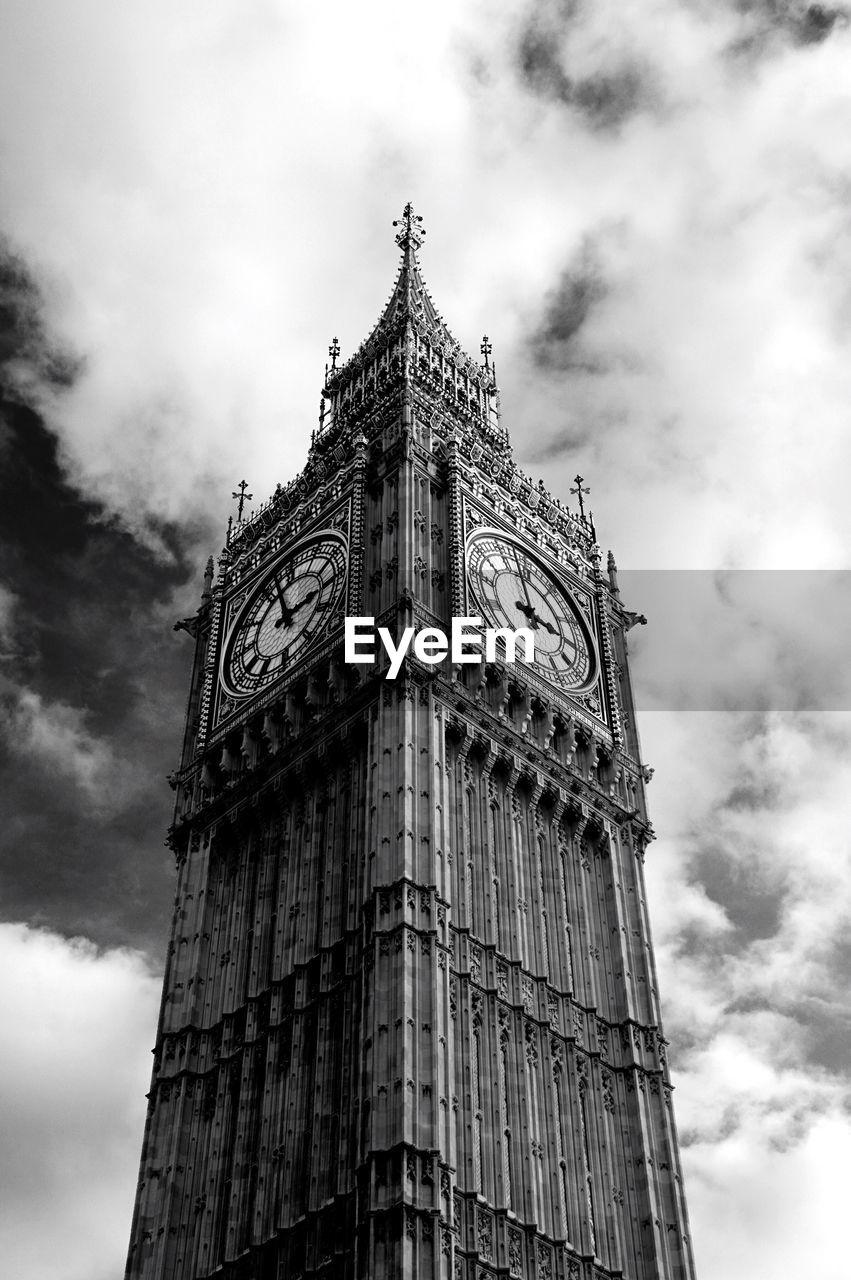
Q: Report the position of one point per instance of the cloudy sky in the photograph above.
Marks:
(647, 206)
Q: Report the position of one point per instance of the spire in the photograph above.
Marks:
(409, 299)
(409, 238)
(423, 348)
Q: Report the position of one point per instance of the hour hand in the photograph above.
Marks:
(304, 600)
(286, 618)
(529, 610)
(531, 614)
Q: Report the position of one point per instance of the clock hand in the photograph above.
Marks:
(536, 621)
(523, 582)
(529, 610)
(286, 618)
(305, 600)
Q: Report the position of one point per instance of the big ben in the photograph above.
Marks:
(410, 1023)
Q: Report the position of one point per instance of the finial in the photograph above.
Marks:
(613, 573)
(208, 579)
(486, 348)
(579, 491)
(240, 494)
(412, 234)
(334, 351)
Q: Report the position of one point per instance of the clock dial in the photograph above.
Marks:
(284, 614)
(512, 589)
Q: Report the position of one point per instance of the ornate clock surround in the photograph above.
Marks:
(249, 625)
(222, 706)
(484, 550)
(570, 570)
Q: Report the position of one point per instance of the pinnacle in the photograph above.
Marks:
(413, 233)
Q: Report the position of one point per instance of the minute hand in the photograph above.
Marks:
(523, 584)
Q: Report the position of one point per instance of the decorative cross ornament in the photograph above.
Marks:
(579, 491)
(412, 234)
(334, 351)
(242, 496)
(486, 348)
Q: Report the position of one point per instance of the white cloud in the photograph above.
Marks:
(210, 195)
(78, 1026)
(749, 812)
(192, 185)
(763, 1212)
(720, 221)
(753, 1000)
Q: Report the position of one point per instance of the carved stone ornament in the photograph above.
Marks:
(515, 1253)
(484, 1235)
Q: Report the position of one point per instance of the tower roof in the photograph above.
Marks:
(410, 373)
(411, 301)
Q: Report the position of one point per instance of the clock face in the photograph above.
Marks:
(512, 589)
(284, 615)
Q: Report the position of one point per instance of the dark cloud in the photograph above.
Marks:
(827, 1029)
(769, 24)
(556, 446)
(622, 86)
(92, 681)
(817, 22)
(752, 903)
(557, 341)
(605, 99)
(558, 345)
(26, 353)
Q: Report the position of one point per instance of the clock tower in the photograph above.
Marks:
(410, 1024)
